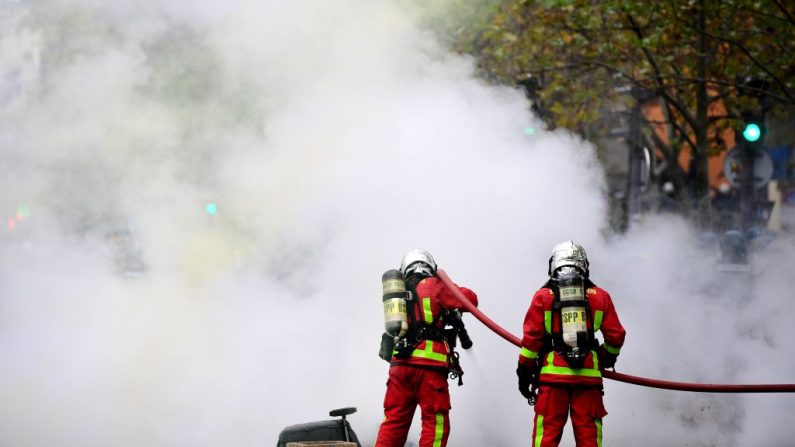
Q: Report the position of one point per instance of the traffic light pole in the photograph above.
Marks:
(746, 186)
(750, 141)
(634, 186)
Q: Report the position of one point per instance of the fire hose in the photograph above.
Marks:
(642, 381)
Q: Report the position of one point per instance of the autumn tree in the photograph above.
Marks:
(704, 62)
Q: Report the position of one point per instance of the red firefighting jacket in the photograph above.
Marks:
(539, 323)
(433, 298)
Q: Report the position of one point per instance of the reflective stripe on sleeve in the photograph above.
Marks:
(526, 353)
(597, 320)
(611, 349)
(548, 321)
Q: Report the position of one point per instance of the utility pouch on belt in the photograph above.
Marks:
(387, 346)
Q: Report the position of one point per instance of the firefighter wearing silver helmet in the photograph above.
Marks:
(418, 374)
(568, 254)
(561, 356)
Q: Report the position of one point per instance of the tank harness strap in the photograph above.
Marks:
(558, 305)
(556, 342)
(418, 329)
(421, 330)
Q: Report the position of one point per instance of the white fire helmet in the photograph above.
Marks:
(418, 260)
(569, 254)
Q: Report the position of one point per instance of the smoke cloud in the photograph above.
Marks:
(198, 201)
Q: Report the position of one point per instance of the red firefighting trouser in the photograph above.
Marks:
(406, 388)
(552, 410)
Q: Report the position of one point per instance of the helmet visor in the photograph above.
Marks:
(567, 271)
(419, 267)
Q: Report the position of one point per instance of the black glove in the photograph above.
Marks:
(606, 359)
(526, 377)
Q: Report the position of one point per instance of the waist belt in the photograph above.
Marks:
(412, 365)
(578, 386)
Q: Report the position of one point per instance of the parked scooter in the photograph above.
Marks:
(329, 430)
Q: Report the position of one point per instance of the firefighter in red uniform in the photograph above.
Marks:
(420, 365)
(560, 354)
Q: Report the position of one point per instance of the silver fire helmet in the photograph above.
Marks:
(568, 253)
(418, 260)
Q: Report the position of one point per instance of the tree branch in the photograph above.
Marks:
(658, 77)
(784, 10)
(678, 127)
(745, 51)
(787, 16)
(673, 167)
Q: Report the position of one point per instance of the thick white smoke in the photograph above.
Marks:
(332, 137)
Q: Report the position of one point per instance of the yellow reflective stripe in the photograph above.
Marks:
(597, 320)
(566, 371)
(549, 368)
(611, 349)
(528, 353)
(426, 309)
(539, 430)
(548, 321)
(598, 432)
(428, 353)
(437, 439)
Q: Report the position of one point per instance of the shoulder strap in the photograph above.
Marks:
(418, 328)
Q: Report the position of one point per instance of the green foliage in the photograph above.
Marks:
(591, 58)
(459, 21)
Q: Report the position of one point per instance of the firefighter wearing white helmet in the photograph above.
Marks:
(561, 357)
(418, 260)
(422, 356)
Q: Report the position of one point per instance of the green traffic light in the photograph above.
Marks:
(211, 208)
(752, 132)
(529, 131)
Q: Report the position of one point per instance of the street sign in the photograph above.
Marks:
(733, 167)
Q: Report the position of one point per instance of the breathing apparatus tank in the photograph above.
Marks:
(396, 320)
(574, 311)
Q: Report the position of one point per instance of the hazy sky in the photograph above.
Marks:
(333, 137)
